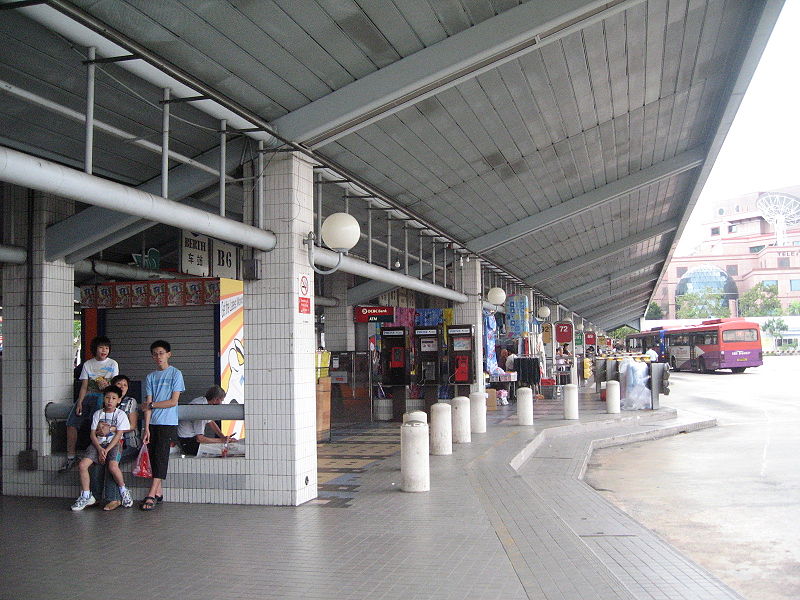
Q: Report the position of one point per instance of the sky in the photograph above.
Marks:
(762, 149)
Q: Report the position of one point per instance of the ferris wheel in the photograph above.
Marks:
(782, 210)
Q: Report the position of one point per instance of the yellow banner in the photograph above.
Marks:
(231, 348)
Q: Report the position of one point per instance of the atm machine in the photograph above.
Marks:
(462, 358)
(429, 369)
(394, 367)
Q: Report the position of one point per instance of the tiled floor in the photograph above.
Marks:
(485, 530)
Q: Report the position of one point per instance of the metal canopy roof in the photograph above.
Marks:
(565, 142)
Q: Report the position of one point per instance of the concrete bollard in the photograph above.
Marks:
(612, 397)
(441, 429)
(525, 406)
(415, 415)
(414, 461)
(477, 412)
(571, 401)
(461, 426)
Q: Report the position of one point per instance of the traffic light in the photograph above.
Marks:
(665, 380)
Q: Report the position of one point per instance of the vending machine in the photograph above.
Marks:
(462, 356)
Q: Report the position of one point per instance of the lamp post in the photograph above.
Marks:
(340, 232)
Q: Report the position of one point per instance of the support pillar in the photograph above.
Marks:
(280, 412)
(51, 316)
(340, 331)
(471, 313)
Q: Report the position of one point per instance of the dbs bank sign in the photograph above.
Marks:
(374, 314)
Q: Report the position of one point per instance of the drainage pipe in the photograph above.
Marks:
(46, 176)
(13, 255)
(326, 258)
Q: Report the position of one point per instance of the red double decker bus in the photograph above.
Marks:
(733, 344)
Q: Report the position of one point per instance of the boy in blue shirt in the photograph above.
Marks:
(162, 390)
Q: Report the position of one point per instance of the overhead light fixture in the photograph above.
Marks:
(543, 312)
(496, 296)
(340, 232)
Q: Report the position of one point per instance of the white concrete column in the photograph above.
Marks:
(461, 420)
(340, 331)
(571, 401)
(471, 313)
(441, 430)
(280, 410)
(477, 412)
(52, 317)
(612, 397)
(525, 406)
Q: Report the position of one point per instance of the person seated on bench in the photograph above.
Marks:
(193, 433)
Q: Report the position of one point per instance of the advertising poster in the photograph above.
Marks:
(158, 294)
(139, 297)
(88, 296)
(175, 293)
(517, 315)
(122, 295)
(231, 348)
(194, 293)
(105, 296)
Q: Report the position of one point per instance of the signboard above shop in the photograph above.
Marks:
(205, 256)
(374, 314)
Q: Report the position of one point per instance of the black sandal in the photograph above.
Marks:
(148, 503)
(159, 499)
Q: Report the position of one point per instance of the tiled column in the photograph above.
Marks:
(340, 332)
(280, 410)
(52, 315)
(471, 313)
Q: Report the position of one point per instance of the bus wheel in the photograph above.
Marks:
(738, 369)
(701, 365)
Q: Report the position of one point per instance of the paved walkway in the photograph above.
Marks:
(487, 529)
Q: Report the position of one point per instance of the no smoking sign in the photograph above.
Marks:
(304, 300)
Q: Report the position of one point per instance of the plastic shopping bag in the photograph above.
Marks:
(142, 466)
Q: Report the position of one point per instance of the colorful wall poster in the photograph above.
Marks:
(231, 349)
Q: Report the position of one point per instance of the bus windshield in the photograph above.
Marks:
(740, 335)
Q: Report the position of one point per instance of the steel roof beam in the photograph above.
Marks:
(592, 294)
(610, 278)
(616, 312)
(618, 298)
(460, 57)
(588, 201)
(535, 279)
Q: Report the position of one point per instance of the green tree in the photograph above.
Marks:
(704, 304)
(793, 308)
(760, 301)
(775, 327)
(620, 332)
(654, 311)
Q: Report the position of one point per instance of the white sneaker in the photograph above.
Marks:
(82, 502)
(127, 501)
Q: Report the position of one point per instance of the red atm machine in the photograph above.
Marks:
(462, 357)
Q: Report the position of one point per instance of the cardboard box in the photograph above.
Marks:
(323, 413)
(491, 399)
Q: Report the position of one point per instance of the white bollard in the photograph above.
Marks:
(571, 401)
(612, 397)
(441, 429)
(477, 412)
(525, 406)
(414, 460)
(461, 427)
(415, 415)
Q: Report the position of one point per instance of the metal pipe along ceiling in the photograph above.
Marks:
(327, 258)
(39, 174)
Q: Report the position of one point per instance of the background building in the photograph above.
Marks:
(747, 240)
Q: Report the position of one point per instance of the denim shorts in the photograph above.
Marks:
(90, 406)
(115, 454)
